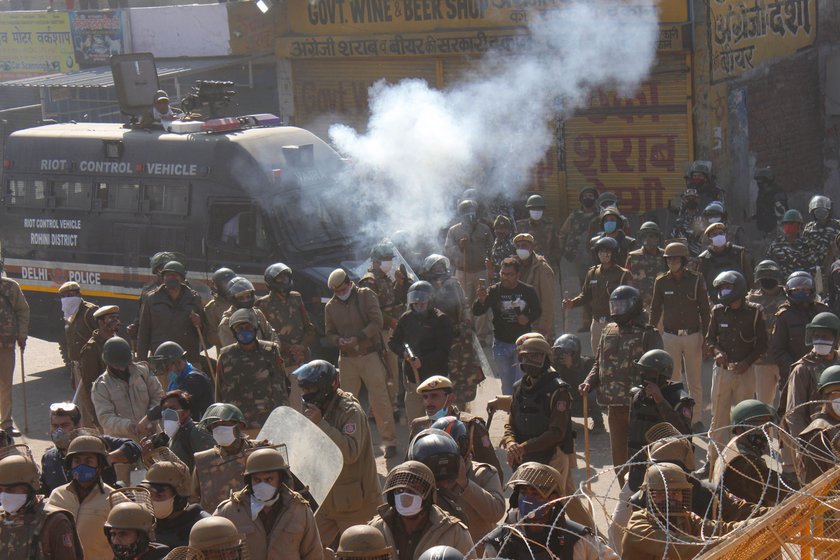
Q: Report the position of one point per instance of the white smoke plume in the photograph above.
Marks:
(423, 147)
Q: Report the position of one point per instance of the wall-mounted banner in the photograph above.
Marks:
(35, 43)
(96, 36)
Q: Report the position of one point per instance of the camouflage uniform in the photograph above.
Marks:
(162, 319)
(218, 473)
(214, 309)
(644, 268)
(766, 369)
(264, 330)
(614, 374)
(790, 256)
(689, 226)
(255, 381)
(499, 252)
(14, 325)
(50, 529)
(546, 240)
(820, 239)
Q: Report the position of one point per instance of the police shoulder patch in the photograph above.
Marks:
(67, 540)
(350, 428)
(561, 405)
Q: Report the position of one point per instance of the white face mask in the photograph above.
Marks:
(263, 491)
(224, 435)
(386, 266)
(258, 505)
(69, 306)
(523, 253)
(536, 214)
(835, 406)
(823, 347)
(719, 240)
(164, 508)
(408, 504)
(12, 502)
(170, 427)
(714, 220)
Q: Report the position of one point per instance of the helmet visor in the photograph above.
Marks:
(419, 296)
(620, 307)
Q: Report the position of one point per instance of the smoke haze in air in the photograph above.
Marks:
(423, 146)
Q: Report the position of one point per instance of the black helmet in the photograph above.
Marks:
(220, 279)
(167, 353)
(768, 269)
(625, 304)
(567, 343)
(736, 280)
(157, 260)
(238, 287)
(467, 207)
(535, 201)
(456, 429)
(605, 243)
(799, 287)
(176, 267)
(272, 277)
(419, 292)
(319, 374)
(436, 261)
(116, 352)
(715, 208)
(437, 450)
(657, 360)
(441, 552)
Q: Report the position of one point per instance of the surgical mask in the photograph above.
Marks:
(69, 306)
(610, 226)
(790, 229)
(527, 506)
(386, 266)
(835, 406)
(164, 508)
(440, 414)
(344, 295)
(714, 220)
(536, 214)
(12, 502)
(823, 347)
(719, 240)
(820, 213)
(245, 337)
(523, 253)
(171, 283)
(263, 491)
(408, 504)
(83, 473)
(224, 435)
(170, 427)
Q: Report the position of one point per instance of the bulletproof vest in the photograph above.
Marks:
(715, 263)
(219, 474)
(284, 316)
(531, 413)
(620, 348)
(384, 288)
(559, 546)
(245, 369)
(22, 532)
(644, 413)
(8, 319)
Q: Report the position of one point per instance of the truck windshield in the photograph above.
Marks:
(310, 221)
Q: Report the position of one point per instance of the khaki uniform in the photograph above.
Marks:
(683, 307)
(253, 380)
(766, 369)
(213, 310)
(598, 284)
(292, 534)
(741, 335)
(77, 332)
(264, 330)
(817, 454)
(14, 324)
(644, 267)
(803, 398)
(90, 516)
(537, 273)
(483, 500)
(441, 529)
(49, 529)
(91, 367)
(742, 471)
(469, 266)
(356, 493)
(573, 239)
(360, 316)
(163, 319)
(646, 539)
(392, 299)
(546, 238)
(218, 473)
(120, 405)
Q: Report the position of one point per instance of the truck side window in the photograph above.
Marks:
(26, 193)
(117, 196)
(237, 226)
(70, 194)
(167, 199)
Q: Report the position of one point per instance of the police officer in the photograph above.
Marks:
(542, 229)
(645, 264)
(599, 283)
(535, 271)
(823, 335)
(790, 251)
(355, 495)
(536, 528)
(129, 529)
(741, 468)
(738, 338)
(168, 483)
(573, 237)
(771, 203)
(242, 295)
(85, 496)
(821, 232)
(392, 302)
(467, 245)
(613, 226)
(573, 369)
(170, 362)
(284, 309)
(422, 338)
(276, 520)
(219, 470)
(502, 247)
(29, 527)
(14, 329)
(787, 340)
(353, 324)
(723, 255)
(622, 342)
(478, 485)
(438, 450)
(681, 303)
(700, 177)
(410, 521)
(819, 440)
(769, 295)
(250, 372)
(363, 542)
(91, 364)
(217, 538)
(215, 308)
(438, 401)
(79, 324)
(688, 227)
(172, 311)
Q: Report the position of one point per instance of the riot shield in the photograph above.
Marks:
(313, 457)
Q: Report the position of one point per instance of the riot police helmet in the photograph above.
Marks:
(222, 412)
(436, 267)
(625, 304)
(317, 379)
(822, 321)
(535, 201)
(829, 380)
(116, 353)
(799, 287)
(567, 344)
(768, 270)
(456, 429)
(363, 542)
(752, 412)
(220, 280)
(278, 277)
(658, 362)
(437, 450)
(730, 286)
